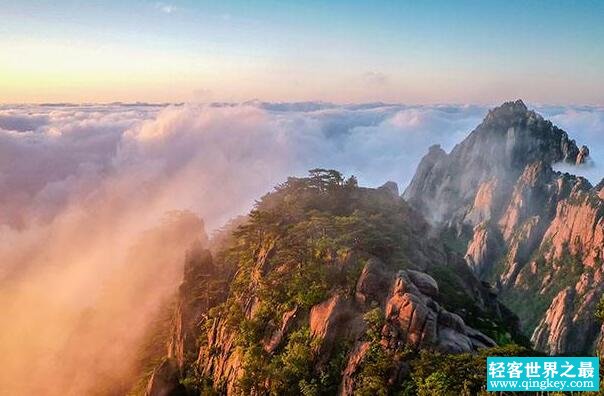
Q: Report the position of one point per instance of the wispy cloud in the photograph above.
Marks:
(376, 77)
(165, 8)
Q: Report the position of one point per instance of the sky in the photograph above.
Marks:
(338, 51)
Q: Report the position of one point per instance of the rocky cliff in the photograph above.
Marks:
(202, 288)
(535, 233)
(332, 288)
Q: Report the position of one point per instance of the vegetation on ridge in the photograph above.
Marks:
(305, 241)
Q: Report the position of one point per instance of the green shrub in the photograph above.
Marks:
(599, 314)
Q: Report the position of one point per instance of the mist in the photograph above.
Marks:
(100, 203)
(585, 124)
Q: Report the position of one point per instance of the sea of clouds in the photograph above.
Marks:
(99, 203)
(215, 159)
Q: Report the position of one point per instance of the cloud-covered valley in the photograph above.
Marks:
(99, 203)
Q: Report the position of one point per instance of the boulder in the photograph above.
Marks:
(391, 187)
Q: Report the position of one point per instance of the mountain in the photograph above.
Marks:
(329, 288)
(332, 288)
(537, 234)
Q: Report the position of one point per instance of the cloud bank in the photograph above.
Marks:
(98, 205)
(585, 124)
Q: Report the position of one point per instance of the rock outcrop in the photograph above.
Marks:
(484, 248)
(391, 187)
(552, 333)
(414, 318)
(194, 300)
(276, 337)
(537, 234)
(355, 360)
(219, 358)
(165, 380)
(201, 289)
(333, 318)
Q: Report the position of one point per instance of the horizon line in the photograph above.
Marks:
(316, 102)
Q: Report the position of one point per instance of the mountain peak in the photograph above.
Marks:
(529, 135)
(513, 112)
(512, 106)
(509, 109)
(510, 138)
(391, 187)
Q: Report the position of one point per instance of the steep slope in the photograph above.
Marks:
(332, 289)
(535, 233)
(202, 288)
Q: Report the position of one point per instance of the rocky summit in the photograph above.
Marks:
(329, 288)
(537, 234)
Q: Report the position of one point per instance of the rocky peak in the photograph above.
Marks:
(533, 232)
(525, 137)
(435, 151)
(510, 138)
(391, 187)
(506, 110)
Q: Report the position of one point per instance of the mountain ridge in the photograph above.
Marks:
(333, 288)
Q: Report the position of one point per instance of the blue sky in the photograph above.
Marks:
(412, 52)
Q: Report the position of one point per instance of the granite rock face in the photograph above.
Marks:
(165, 380)
(199, 291)
(193, 301)
(413, 318)
(537, 234)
